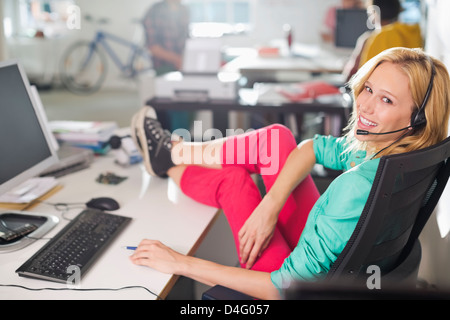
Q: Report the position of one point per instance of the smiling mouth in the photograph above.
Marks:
(367, 122)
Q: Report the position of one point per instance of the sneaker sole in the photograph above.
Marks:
(135, 127)
(140, 123)
(134, 132)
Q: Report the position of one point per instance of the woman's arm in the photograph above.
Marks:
(154, 254)
(259, 227)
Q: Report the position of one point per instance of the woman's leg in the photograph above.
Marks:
(264, 152)
(233, 190)
(291, 222)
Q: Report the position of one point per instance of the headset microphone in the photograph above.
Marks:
(365, 132)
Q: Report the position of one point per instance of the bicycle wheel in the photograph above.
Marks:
(83, 68)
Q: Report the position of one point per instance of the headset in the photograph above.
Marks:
(418, 117)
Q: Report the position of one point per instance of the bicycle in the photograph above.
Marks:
(84, 65)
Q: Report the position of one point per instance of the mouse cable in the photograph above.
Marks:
(81, 289)
(64, 207)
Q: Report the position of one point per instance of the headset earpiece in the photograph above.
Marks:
(418, 117)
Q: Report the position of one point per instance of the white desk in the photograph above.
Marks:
(160, 211)
(307, 58)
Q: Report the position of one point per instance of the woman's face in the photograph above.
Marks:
(385, 104)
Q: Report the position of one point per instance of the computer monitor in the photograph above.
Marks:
(350, 24)
(25, 146)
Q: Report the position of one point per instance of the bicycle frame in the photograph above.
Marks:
(101, 39)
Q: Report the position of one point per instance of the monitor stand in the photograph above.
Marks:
(21, 220)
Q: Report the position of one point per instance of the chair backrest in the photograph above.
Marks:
(405, 192)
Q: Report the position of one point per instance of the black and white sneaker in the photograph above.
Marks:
(154, 142)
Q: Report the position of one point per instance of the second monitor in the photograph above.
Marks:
(350, 24)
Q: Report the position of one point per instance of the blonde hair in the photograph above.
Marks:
(417, 67)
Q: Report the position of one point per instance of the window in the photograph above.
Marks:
(411, 11)
(218, 17)
(36, 18)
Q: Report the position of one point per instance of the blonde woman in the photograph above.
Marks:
(401, 104)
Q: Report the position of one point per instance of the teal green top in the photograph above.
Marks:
(333, 218)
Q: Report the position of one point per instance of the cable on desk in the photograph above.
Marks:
(79, 289)
(64, 208)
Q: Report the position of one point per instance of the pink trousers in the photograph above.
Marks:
(263, 151)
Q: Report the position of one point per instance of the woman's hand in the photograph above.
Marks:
(257, 232)
(154, 254)
(259, 228)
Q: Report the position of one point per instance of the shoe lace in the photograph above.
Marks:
(164, 134)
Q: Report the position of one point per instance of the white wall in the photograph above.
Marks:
(268, 17)
(2, 33)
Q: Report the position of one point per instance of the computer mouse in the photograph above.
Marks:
(103, 203)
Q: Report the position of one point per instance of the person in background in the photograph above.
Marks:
(166, 26)
(329, 23)
(391, 33)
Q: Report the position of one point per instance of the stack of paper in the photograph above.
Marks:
(93, 135)
(29, 191)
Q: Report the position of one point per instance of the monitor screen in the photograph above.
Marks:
(25, 148)
(350, 24)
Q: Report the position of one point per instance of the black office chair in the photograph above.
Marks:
(404, 194)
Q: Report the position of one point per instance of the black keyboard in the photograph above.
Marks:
(79, 244)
